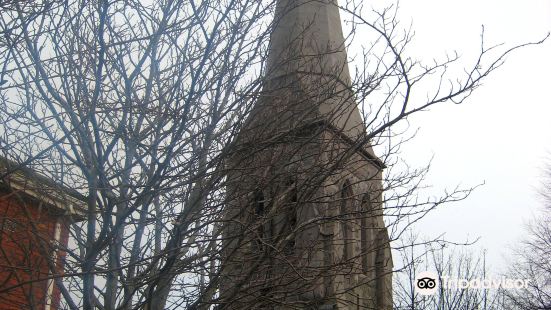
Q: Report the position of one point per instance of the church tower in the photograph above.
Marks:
(303, 224)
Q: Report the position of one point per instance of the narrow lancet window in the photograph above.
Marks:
(365, 216)
(345, 210)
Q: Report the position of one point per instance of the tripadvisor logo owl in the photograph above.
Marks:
(426, 283)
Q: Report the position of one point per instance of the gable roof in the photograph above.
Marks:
(22, 179)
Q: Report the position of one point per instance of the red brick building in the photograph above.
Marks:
(35, 214)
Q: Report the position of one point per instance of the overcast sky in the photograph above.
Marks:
(501, 135)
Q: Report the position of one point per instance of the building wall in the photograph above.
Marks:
(27, 234)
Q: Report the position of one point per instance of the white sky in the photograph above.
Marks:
(501, 135)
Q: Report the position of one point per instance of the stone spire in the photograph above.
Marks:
(308, 54)
(308, 37)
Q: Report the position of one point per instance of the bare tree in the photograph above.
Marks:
(446, 260)
(532, 259)
(136, 105)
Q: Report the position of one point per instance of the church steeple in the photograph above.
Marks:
(308, 50)
(303, 223)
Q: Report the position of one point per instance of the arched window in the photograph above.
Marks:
(365, 219)
(346, 207)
